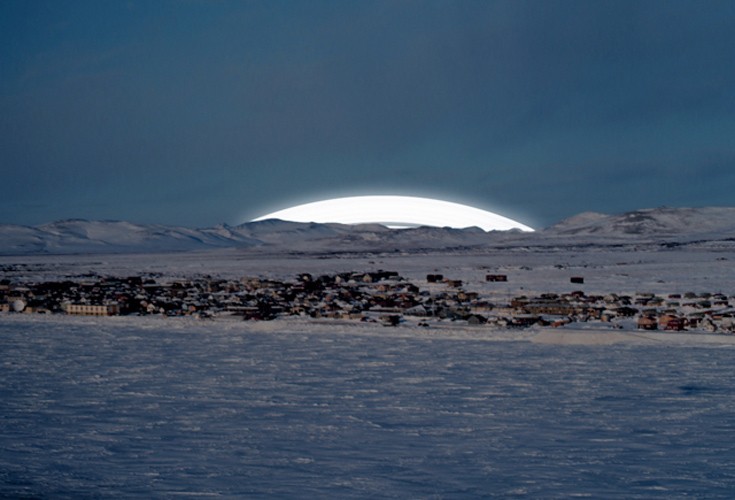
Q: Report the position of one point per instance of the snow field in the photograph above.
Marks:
(158, 407)
(148, 408)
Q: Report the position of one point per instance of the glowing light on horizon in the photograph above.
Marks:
(396, 211)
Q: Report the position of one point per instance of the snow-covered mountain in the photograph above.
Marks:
(83, 236)
(277, 236)
(651, 222)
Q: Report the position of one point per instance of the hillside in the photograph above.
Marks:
(715, 221)
(277, 236)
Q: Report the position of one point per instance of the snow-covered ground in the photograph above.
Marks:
(619, 269)
(149, 407)
(158, 407)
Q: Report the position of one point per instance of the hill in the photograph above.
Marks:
(678, 225)
(664, 221)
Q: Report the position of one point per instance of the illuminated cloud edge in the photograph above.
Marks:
(396, 211)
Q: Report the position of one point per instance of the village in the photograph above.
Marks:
(379, 296)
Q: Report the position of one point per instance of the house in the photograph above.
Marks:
(647, 323)
(642, 299)
(592, 312)
(673, 323)
(607, 316)
(496, 277)
(626, 311)
(463, 296)
(519, 302)
(524, 320)
(560, 322)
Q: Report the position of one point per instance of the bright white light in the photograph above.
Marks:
(396, 211)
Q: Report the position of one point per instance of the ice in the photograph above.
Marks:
(139, 407)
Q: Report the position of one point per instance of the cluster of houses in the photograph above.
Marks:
(380, 296)
(674, 312)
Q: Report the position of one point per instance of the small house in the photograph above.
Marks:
(674, 324)
(647, 323)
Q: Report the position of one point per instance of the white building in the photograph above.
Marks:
(93, 310)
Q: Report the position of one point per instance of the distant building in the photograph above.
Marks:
(93, 310)
(553, 307)
(647, 323)
(672, 323)
(496, 277)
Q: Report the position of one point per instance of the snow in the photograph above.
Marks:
(656, 221)
(674, 226)
(153, 408)
(160, 407)
(622, 269)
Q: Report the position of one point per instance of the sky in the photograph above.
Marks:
(197, 112)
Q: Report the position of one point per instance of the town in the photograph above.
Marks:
(378, 296)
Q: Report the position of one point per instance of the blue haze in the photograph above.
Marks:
(91, 410)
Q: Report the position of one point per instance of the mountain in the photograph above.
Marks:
(652, 222)
(277, 236)
(83, 236)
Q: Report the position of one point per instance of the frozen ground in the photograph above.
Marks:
(627, 269)
(150, 407)
(137, 407)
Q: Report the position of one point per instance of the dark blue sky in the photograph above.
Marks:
(201, 112)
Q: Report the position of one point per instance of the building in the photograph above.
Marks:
(672, 323)
(93, 310)
(647, 323)
(553, 307)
